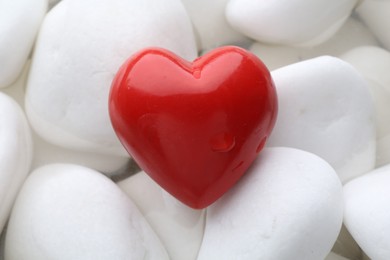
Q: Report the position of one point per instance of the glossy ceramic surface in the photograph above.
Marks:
(195, 128)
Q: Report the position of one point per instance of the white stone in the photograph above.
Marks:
(287, 206)
(352, 34)
(47, 153)
(77, 54)
(289, 22)
(374, 63)
(211, 25)
(15, 153)
(325, 108)
(376, 14)
(179, 227)
(19, 25)
(67, 211)
(367, 212)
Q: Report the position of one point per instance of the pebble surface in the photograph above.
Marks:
(367, 212)
(376, 14)
(19, 24)
(69, 81)
(289, 22)
(57, 60)
(374, 63)
(179, 227)
(67, 211)
(288, 206)
(325, 108)
(15, 153)
(352, 34)
(210, 24)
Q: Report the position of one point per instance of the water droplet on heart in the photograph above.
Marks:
(222, 142)
(197, 73)
(261, 145)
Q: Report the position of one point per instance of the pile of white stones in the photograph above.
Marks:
(320, 190)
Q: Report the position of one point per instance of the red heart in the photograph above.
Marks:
(195, 128)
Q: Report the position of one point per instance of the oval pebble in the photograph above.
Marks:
(367, 212)
(374, 63)
(325, 108)
(19, 25)
(47, 153)
(376, 14)
(67, 211)
(210, 24)
(15, 153)
(77, 56)
(287, 206)
(179, 227)
(351, 35)
(289, 22)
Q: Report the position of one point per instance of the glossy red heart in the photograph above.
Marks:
(195, 128)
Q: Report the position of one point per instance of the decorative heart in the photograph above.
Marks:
(195, 128)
